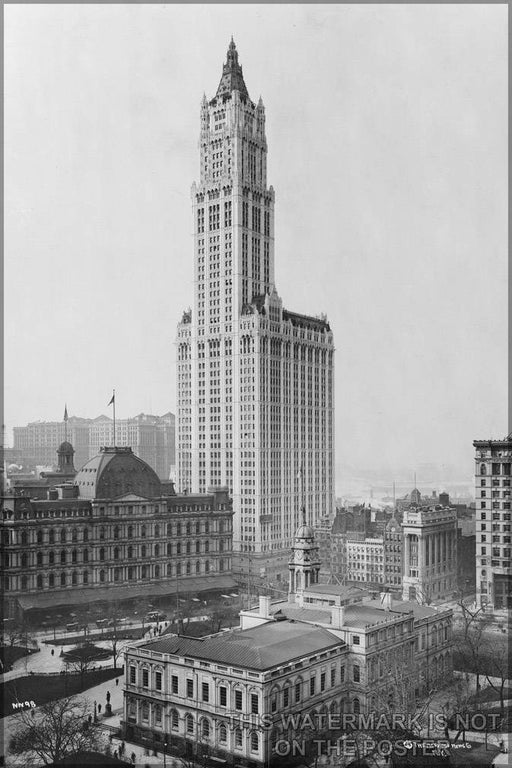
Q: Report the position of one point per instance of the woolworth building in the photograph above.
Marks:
(255, 406)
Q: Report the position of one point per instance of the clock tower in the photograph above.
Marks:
(304, 564)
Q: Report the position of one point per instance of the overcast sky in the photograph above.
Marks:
(387, 136)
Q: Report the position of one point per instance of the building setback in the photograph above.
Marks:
(493, 461)
(254, 380)
(113, 534)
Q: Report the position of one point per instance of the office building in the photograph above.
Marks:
(255, 381)
(493, 460)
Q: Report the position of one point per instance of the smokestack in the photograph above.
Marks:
(337, 616)
(265, 607)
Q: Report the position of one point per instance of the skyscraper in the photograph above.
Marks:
(493, 462)
(254, 381)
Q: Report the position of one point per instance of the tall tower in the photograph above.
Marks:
(254, 381)
(493, 471)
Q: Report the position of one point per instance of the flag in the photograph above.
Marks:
(112, 399)
(66, 412)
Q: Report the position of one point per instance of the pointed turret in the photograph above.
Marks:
(232, 78)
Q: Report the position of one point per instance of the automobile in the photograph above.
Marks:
(73, 627)
(100, 623)
(156, 616)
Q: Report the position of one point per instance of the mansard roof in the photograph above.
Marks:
(115, 472)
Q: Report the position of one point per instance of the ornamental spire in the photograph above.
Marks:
(232, 77)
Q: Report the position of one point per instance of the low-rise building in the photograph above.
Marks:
(112, 535)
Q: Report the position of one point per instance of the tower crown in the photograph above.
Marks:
(232, 78)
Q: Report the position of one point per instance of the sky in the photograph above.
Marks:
(387, 136)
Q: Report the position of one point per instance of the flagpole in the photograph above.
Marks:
(114, 408)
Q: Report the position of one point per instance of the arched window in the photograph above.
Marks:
(39, 537)
(157, 550)
(169, 529)
(178, 529)
(483, 469)
(63, 556)
(205, 728)
(86, 555)
(143, 532)
(74, 556)
(130, 573)
(102, 553)
(24, 560)
(39, 582)
(102, 575)
(130, 551)
(63, 579)
(188, 547)
(24, 537)
(178, 569)
(102, 533)
(223, 734)
(189, 529)
(51, 536)
(116, 532)
(39, 557)
(144, 572)
(62, 535)
(157, 571)
(85, 577)
(175, 720)
(206, 566)
(189, 723)
(198, 546)
(116, 553)
(356, 707)
(24, 582)
(239, 739)
(86, 534)
(221, 565)
(157, 530)
(51, 558)
(178, 548)
(198, 529)
(51, 580)
(198, 566)
(158, 714)
(169, 549)
(255, 742)
(74, 535)
(188, 568)
(74, 578)
(130, 531)
(117, 574)
(143, 551)
(207, 546)
(169, 569)
(207, 527)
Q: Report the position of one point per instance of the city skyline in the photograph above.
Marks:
(401, 198)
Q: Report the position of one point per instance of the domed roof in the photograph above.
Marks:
(305, 532)
(65, 447)
(115, 472)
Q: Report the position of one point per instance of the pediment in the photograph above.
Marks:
(132, 497)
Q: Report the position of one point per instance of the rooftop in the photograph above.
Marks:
(260, 648)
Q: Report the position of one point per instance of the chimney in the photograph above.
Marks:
(337, 616)
(386, 600)
(265, 606)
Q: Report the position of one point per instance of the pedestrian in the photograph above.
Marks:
(53, 651)
(99, 709)
(122, 748)
(115, 753)
(108, 697)
(133, 757)
(117, 681)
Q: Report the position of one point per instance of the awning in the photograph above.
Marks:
(96, 594)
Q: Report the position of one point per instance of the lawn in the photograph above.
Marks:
(121, 634)
(476, 757)
(10, 654)
(43, 688)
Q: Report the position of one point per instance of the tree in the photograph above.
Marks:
(53, 731)
(80, 662)
(16, 633)
(499, 665)
(472, 640)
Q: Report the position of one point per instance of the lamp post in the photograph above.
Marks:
(165, 749)
(95, 715)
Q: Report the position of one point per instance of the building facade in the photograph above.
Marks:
(150, 437)
(430, 553)
(326, 651)
(254, 380)
(493, 460)
(112, 535)
(393, 554)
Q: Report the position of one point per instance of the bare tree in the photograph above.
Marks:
(80, 662)
(472, 640)
(53, 731)
(500, 668)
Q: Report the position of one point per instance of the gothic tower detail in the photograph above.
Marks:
(304, 563)
(254, 380)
